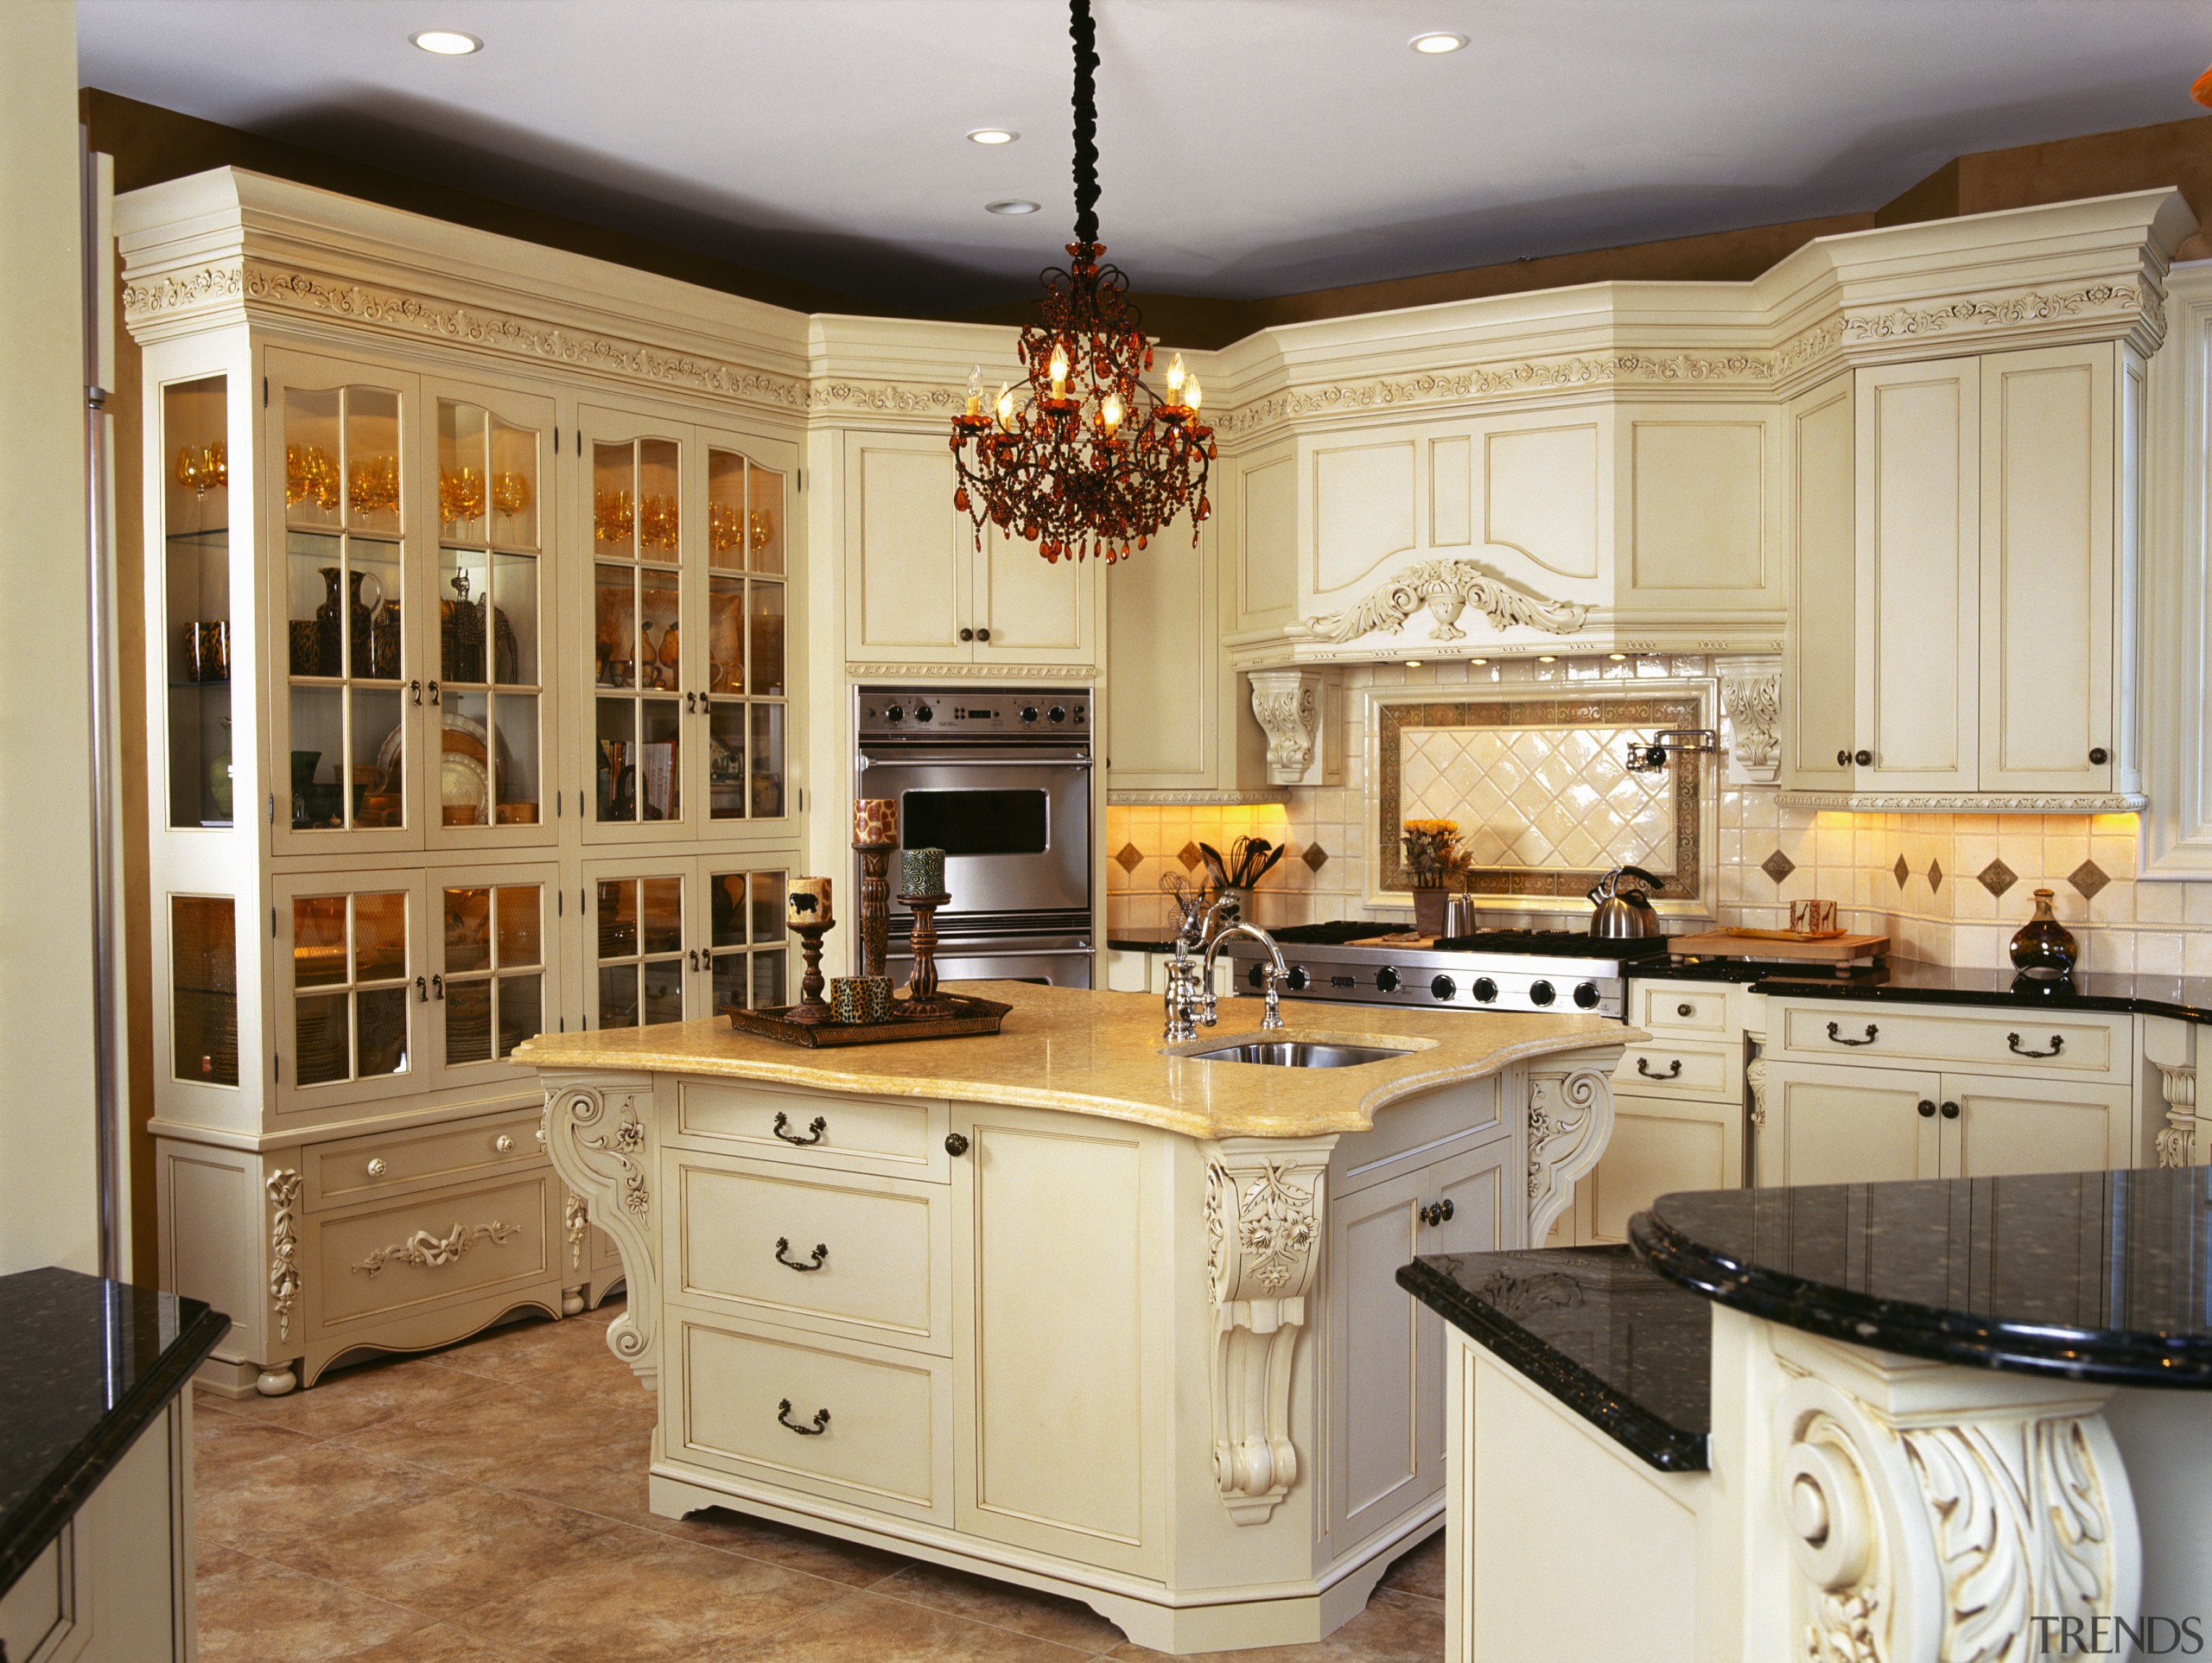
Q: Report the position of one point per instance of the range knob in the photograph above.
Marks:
(1585, 995)
(1485, 990)
(1078, 712)
(1542, 993)
(1442, 987)
(1059, 713)
(1253, 977)
(1298, 981)
(894, 713)
(1029, 712)
(1386, 979)
(922, 713)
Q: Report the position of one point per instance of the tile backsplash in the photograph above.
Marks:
(1948, 889)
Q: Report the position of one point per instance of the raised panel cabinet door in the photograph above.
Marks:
(2033, 1125)
(1383, 1361)
(1819, 517)
(1832, 1124)
(1031, 611)
(1660, 1147)
(1163, 670)
(2047, 471)
(909, 554)
(1918, 487)
(1465, 1212)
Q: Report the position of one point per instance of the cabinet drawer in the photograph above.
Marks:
(903, 1137)
(398, 1163)
(431, 1250)
(1413, 1132)
(1678, 1008)
(1705, 1072)
(862, 1254)
(750, 1402)
(2039, 1042)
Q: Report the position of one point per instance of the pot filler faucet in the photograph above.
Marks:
(1190, 998)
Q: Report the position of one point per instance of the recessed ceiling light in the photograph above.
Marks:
(993, 136)
(1435, 45)
(1015, 206)
(447, 43)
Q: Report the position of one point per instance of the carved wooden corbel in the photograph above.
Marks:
(2177, 1138)
(1263, 1246)
(1292, 708)
(1750, 696)
(1570, 1123)
(601, 1139)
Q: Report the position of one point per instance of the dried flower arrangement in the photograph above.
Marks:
(1434, 857)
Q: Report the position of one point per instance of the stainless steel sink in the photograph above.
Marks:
(1296, 1054)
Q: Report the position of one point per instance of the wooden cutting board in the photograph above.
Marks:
(1824, 950)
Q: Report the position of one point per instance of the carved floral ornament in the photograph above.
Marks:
(1444, 589)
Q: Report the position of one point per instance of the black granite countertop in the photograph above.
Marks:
(1129, 946)
(86, 1366)
(2188, 999)
(1625, 1349)
(2099, 1276)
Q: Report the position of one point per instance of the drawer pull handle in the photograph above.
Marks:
(504, 1144)
(784, 1246)
(1685, 1010)
(1927, 1109)
(1643, 1067)
(955, 1144)
(1950, 1111)
(376, 1166)
(821, 1420)
(819, 1127)
(1835, 1034)
(1436, 1212)
(2057, 1045)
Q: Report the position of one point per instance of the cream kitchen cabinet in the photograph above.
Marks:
(918, 592)
(1966, 645)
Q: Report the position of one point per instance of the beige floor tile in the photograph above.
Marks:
(1421, 1571)
(318, 1491)
(1003, 1605)
(442, 1643)
(348, 1399)
(252, 1611)
(1394, 1628)
(486, 1438)
(784, 1546)
(867, 1627)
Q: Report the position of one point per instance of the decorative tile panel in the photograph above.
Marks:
(1996, 878)
(1189, 855)
(1902, 871)
(1315, 857)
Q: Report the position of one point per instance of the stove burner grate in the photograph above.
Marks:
(1555, 944)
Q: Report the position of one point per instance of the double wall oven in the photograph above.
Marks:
(1000, 779)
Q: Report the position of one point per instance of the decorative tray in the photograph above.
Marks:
(951, 1017)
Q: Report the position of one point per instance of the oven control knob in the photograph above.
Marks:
(1542, 993)
(1029, 712)
(922, 713)
(1442, 987)
(1386, 979)
(1485, 990)
(1254, 977)
(1059, 713)
(1585, 995)
(894, 713)
(1298, 981)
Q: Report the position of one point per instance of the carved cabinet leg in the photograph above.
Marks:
(277, 1378)
(599, 1132)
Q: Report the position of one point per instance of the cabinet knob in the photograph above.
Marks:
(983, 635)
(955, 1144)
(1950, 1111)
(1927, 1109)
(1685, 1010)
(504, 1144)
(967, 635)
(2099, 756)
(1437, 1212)
(1843, 758)
(376, 1166)
(1864, 759)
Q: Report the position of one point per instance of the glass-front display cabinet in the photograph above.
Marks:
(467, 717)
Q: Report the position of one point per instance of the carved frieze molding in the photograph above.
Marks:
(602, 1143)
(1444, 589)
(2177, 1141)
(1750, 697)
(1570, 1119)
(1950, 1533)
(983, 672)
(1264, 1227)
(2007, 311)
(283, 1187)
(888, 397)
(429, 1252)
(1962, 802)
(180, 291)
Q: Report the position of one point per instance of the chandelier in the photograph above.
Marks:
(1083, 458)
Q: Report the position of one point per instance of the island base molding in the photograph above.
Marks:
(1179, 1622)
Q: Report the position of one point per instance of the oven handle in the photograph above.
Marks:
(972, 759)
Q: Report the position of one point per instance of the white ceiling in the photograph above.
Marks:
(1250, 147)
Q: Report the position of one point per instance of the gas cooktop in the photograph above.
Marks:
(1364, 962)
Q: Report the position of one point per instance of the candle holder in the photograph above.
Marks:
(811, 1007)
(875, 905)
(922, 998)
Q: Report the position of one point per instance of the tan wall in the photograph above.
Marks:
(48, 1207)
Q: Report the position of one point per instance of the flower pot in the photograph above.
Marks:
(1428, 911)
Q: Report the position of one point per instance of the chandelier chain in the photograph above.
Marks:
(1085, 33)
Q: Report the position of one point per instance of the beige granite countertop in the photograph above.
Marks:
(1088, 1051)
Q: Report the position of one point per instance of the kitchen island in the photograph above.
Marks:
(1067, 1305)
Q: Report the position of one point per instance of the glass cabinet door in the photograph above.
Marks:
(353, 981)
(195, 574)
(640, 670)
(748, 954)
(638, 940)
(748, 657)
(492, 596)
(497, 948)
(342, 773)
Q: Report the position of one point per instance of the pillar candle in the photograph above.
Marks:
(875, 820)
(807, 901)
(921, 872)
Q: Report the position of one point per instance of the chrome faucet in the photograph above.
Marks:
(1190, 995)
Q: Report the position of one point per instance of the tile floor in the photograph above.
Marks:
(488, 1502)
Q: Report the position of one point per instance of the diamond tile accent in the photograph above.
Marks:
(1315, 857)
(1777, 866)
(1129, 858)
(1996, 878)
(2088, 878)
(1189, 855)
(1902, 871)
(1936, 875)
(1540, 799)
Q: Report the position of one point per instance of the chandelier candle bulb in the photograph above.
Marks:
(921, 872)
(975, 392)
(808, 901)
(1191, 403)
(1005, 405)
(1060, 370)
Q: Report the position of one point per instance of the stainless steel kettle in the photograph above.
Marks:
(1624, 914)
